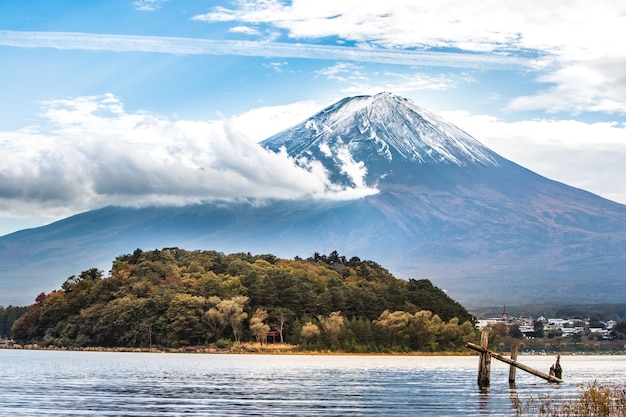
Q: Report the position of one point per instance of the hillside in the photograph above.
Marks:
(174, 298)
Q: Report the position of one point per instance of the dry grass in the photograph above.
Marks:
(252, 347)
(594, 400)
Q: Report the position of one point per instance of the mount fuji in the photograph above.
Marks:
(440, 206)
(378, 136)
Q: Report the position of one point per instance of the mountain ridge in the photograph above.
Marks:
(476, 224)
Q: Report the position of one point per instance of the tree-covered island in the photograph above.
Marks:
(177, 298)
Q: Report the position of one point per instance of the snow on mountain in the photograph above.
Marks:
(359, 139)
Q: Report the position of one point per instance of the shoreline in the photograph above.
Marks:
(243, 349)
(274, 349)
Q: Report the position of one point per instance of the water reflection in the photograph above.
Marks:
(483, 400)
(516, 403)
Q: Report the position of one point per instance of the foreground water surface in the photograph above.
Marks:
(56, 383)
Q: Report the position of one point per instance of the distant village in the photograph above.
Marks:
(574, 328)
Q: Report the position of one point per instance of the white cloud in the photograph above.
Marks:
(93, 153)
(359, 80)
(246, 30)
(596, 85)
(276, 66)
(572, 29)
(261, 123)
(355, 170)
(148, 5)
(342, 71)
(579, 44)
(584, 155)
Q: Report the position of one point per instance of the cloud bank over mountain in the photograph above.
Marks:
(92, 153)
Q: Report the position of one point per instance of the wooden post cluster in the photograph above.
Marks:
(484, 364)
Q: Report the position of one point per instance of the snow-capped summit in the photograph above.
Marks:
(364, 138)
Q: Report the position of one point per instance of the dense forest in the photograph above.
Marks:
(176, 298)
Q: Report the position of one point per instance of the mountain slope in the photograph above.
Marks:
(449, 209)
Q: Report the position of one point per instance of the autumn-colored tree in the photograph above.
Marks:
(497, 333)
(309, 330)
(232, 314)
(26, 328)
(257, 326)
(394, 325)
(332, 325)
(426, 328)
(214, 319)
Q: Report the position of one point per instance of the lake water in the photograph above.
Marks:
(56, 383)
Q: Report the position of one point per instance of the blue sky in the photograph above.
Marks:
(164, 102)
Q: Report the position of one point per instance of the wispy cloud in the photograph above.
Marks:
(148, 5)
(277, 67)
(195, 46)
(343, 71)
(358, 79)
(245, 30)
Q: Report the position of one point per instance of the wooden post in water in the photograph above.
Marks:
(481, 350)
(558, 371)
(512, 368)
(484, 363)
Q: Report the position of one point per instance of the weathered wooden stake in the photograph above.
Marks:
(558, 371)
(512, 368)
(484, 363)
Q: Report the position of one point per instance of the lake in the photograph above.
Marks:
(61, 383)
